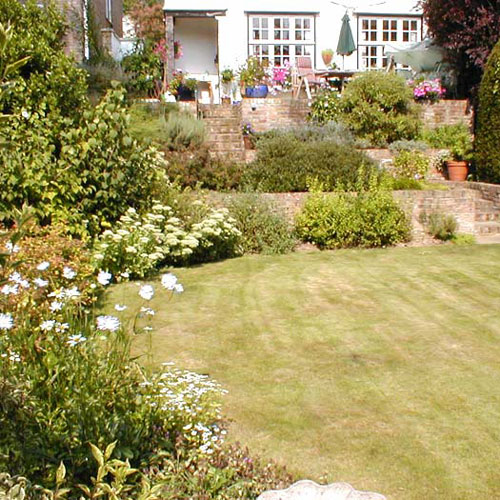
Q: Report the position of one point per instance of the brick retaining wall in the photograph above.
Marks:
(461, 200)
(446, 112)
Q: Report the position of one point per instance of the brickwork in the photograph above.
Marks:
(474, 214)
(447, 112)
(274, 112)
(223, 125)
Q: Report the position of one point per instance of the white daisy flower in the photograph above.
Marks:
(69, 273)
(15, 357)
(6, 321)
(56, 306)
(178, 288)
(40, 283)
(168, 281)
(72, 293)
(11, 248)
(120, 307)
(148, 311)
(108, 323)
(10, 289)
(47, 325)
(147, 292)
(104, 277)
(76, 339)
(43, 266)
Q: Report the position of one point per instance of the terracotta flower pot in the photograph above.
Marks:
(248, 142)
(327, 57)
(457, 170)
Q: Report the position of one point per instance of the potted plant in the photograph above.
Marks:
(253, 78)
(227, 78)
(460, 154)
(327, 55)
(248, 135)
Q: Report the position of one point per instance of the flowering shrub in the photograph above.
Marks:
(427, 90)
(247, 129)
(69, 389)
(140, 243)
(411, 165)
(281, 74)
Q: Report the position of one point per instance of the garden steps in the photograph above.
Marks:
(223, 125)
(486, 216)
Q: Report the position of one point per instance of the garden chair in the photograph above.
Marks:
(306, 76)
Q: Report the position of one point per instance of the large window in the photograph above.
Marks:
(375, 31)
(280, 38)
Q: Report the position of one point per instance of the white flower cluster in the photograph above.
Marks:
(190, 402)
(138, 243)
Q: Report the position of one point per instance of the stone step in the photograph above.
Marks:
(217, 146)
(219, 137)
(222, 122)
(487, 227)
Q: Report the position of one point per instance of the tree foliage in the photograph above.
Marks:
(148, 20)
(488, 130)
(468, 29)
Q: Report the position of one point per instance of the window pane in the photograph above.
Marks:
(277, 22)
(256, 50)
(394, 25)
(286, 50)
(298, 50)
(406, 25)
(307, 24)
(385, 36)
(373, 24)
(286, 23)
(264, 23)
(386, 25)
(255, 22)
(373, 36)
(298, 35)
(365, 36)
(365, 24)
(265, 34)
(286, 35)
(277, 50)
(394, 36)
(265, 50)
(298, 23)
(414, 25)
(277, 35)
(373, 51)
(406, 38)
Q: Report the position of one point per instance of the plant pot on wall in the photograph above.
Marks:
(259, 91)
(457, 170)
(247, 140)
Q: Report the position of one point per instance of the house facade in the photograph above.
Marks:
(220, 34)
(92, 24)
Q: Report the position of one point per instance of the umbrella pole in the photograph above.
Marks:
(343, 62)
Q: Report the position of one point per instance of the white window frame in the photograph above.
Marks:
(109, 10)
(377, 30)
(281, 37)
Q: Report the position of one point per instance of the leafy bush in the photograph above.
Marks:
(377, 107)
(143, 70)
(446, 136)
(404, 145)
(488, 123)
(285, 163)
(326, 107)
(411, 165)
(82, 175)
(199, 169)
(403, 183)
(183, 131)
(263, 229)
(147, 121)
(330, 131)
(367, 218)
(139, 244)
(49, 80)
(441, 226)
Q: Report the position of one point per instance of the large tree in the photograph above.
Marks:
(469, 30)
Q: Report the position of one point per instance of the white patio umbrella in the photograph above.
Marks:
(420, 56)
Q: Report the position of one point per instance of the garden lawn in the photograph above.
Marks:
(376, 367)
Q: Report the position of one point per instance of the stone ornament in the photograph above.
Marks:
(309, 490)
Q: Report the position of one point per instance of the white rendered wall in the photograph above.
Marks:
(233, 29)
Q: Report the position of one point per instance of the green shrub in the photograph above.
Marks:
(143, 70)
(147, 121)
(368, 218)
(312, 132)
(285, 163)
(441, 226)
(405, 145)
(377, 107)
(138, 244)
(83, 175)
(411, 165)
(199, 169)
(326, 107)
(183, 131)
(263, 228)
(446, 136)
(403, 183)
(49, 81)
(488, 122)
(463, 239)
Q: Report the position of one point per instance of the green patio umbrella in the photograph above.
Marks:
(346, 45)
